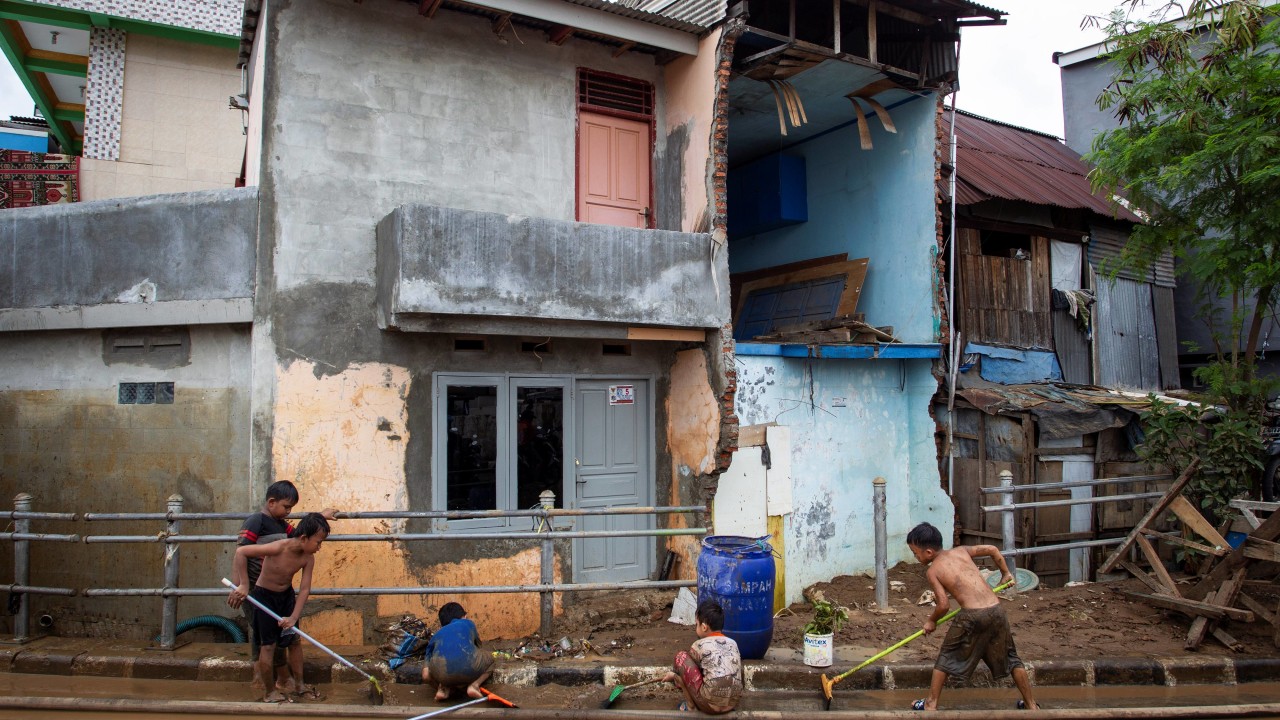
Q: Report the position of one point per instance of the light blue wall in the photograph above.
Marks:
(884, 430)
(27, 143)
(877, 204)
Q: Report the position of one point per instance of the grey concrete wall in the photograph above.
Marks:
(66, 440)
(1081, 85)
(398, 109)
(434, 260)
(159, 248)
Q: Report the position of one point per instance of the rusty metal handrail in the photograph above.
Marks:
(173, 539)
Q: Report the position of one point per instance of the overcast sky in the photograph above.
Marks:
(1006, 72)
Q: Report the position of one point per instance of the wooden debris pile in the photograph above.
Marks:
(843, 329)
(1222, 590)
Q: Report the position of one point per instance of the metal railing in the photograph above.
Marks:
(1008, 508)
(173, 539)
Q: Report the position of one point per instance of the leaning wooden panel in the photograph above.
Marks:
(854, 271)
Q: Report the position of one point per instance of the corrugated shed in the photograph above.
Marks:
(1106, 244)
(703, 13)
(995, 160)
(662, 19)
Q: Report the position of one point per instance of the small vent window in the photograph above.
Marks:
(145, 393)
(614, 92)
(616, 349)
(470, 344)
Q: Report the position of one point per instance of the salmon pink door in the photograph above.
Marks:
(613, 170)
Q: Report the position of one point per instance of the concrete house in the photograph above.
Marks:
(479, 256)
(834, 248)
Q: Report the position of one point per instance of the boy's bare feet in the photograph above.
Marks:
(306, 692)
(474, 693)
(275, 696)
(442, 694)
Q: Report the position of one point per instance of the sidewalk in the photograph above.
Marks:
(229, 662)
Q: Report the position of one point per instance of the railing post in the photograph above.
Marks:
(547, 575)
(882, 550)
(169, 616)
(1007, 525)
(22, 570)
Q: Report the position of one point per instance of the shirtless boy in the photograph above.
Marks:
(281, 560)
(980, 631)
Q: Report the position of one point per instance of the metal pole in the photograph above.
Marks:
(22, 570)
(169, 616)
(1007, 524)
(882, 549)
(547, 575)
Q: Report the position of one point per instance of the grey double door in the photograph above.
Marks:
(505, 440)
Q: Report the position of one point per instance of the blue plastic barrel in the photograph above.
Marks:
(738, 572)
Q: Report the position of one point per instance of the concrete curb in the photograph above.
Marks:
(122, 660)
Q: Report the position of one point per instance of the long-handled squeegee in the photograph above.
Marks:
(828, 685)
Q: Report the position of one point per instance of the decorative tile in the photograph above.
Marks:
(103, 94)
(216, 16)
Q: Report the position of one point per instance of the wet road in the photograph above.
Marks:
(96, 698)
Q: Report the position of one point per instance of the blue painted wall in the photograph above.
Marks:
(20, 141)
(884, 430)
(877, 204)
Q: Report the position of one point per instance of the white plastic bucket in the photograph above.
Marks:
(818, 650)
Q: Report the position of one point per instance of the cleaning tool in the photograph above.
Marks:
(827, 685)
(375, 689)
(619, 689)
(487, 697)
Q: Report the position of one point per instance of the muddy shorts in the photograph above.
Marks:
(438, 665)
(279, 660)
(981, 634)
(720, 693)
(267, 628)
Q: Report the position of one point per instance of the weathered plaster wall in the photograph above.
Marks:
(693, 435)
(884, 430)
(176, 132)
(66, 440)
(441, 113)
(877, 204)
(692, 86)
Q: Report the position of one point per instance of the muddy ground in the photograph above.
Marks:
(1086, 621)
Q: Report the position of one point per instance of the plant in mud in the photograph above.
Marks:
(1226, 441)
(827, 618)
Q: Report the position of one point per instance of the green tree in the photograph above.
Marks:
(1197, 151)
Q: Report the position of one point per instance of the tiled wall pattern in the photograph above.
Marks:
(216, 16)
(103, 94)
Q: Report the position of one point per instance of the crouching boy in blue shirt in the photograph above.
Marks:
(454, 656)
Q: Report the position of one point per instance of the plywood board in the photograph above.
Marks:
(855, 272)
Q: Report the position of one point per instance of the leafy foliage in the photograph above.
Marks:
(1226, 441)
(827, 618)
(1198, 153)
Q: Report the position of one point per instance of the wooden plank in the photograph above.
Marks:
(872, 42)
(1224, 597)
(1223, 637)
(1258, 608)
(1142, 575)
(671, 334)
(1192, 518)
(1174, 491)
(1268, 530)
(1179, 540)
(1261, 549)
(1157, 566)
(1191, 607)
(752, 435)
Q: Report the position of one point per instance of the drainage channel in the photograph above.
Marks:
(44, 697)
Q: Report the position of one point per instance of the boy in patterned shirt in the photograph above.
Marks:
(710, 673)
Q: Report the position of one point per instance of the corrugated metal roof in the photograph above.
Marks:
(1108, 243)
(703, 13)
(995, 160)
(677, 18)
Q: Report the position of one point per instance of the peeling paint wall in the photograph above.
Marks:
(884, 430)
(691, 103)
(693, 435)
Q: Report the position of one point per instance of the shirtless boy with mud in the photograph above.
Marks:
(980, 631)
(281, 560)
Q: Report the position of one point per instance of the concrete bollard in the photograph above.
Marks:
(547, 576)
(882, 549)
(1007, 524)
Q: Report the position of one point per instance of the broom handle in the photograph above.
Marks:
(451, 708)
(902, 642)
(299, 630)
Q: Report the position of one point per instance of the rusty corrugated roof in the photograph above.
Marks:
(995, 160)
